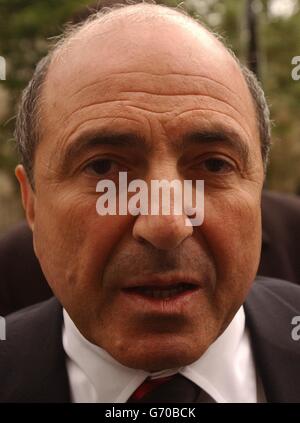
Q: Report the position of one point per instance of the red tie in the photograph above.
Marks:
(173, 388)
(147, 386)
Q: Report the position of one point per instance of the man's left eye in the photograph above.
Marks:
(101, 167)
(217, 165)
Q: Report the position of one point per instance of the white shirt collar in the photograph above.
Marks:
(225, 371)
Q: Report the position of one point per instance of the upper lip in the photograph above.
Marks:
(161, 281)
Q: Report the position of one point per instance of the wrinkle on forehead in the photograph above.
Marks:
(162, 94)
(153, 75)
(140, 85)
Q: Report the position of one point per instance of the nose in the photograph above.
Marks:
(163, 232)
(164, 229)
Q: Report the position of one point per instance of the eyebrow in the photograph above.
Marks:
(229, 139)
(92, 140)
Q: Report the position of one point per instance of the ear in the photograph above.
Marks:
(28, 195)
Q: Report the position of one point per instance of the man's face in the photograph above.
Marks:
(132, 100)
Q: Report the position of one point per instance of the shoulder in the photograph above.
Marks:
(277, 205)
(276, 291)
(32, 352)
(31, 324)
(270, 308)
(28, 328)
(289, 201)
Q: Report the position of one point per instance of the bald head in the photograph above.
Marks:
(121, 19)
(137, 38)
(133, 37)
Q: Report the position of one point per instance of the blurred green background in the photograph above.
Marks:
(27, 26)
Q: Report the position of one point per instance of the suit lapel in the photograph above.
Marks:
(268, 316)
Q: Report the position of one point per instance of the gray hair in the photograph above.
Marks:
(28, 122)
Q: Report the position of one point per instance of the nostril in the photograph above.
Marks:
(140, 239)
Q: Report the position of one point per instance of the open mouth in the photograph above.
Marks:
(162, 292)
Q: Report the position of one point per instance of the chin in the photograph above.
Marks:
(160, 356)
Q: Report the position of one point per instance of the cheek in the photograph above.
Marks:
(232, 228)
(73, 242)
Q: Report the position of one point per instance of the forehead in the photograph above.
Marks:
(149, 61)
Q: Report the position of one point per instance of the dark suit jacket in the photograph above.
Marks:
(280, 256)
(32, 359)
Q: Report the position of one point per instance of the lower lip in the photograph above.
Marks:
(171, 304)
